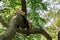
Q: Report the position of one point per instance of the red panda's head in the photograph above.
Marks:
(21, 12)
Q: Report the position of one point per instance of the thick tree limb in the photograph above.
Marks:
(11, 31)
(36, 31)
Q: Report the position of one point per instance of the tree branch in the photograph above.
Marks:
(23, 3)
(36, 31)
(59, 35)
(11, 31)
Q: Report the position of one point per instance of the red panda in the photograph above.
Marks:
(27, 24)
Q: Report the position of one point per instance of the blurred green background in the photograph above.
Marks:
(45, 13)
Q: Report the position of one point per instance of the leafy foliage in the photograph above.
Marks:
(12, 5)
(37, 4)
